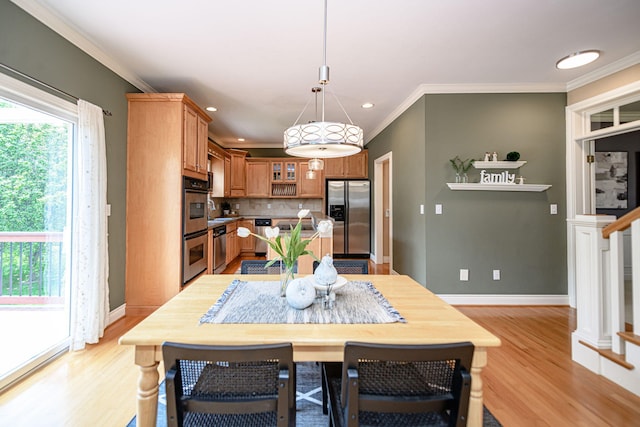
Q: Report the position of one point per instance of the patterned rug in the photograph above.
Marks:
(308, 401)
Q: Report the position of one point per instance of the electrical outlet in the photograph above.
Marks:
(464, 275)
(496, 274)
(237, 206)
(553, 209)
(299, 205)
(438, 209)
(268, 205)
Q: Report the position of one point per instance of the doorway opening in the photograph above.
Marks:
(383, 208)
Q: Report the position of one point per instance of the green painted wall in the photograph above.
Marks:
(479, 230)
(405, 138)
(32, 48)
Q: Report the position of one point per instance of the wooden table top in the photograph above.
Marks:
(429, 320)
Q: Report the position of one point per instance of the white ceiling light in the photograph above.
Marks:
(211, 109)
(367, 105)
(578, 59)
(323, 139)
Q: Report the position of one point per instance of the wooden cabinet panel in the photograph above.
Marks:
(238, 172)
(190, 144)
(257, 178)
(227, 176)
(194, 145)
(310, 188)
(247, 244)
(355, 166)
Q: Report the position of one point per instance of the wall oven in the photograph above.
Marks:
(194, 228)
(195, 206)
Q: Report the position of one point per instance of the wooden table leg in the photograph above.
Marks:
(147, 405)
(475, 400)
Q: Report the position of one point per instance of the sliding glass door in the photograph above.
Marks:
(36, 147)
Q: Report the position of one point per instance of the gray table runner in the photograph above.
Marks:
(260, 302)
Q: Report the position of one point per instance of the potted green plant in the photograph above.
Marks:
(461, 167)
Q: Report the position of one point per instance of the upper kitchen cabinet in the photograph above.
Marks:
(217, 170)
(157, 135)
(194, 155)
(238, 183)
(284, 177)
(355, 166)
(310, 188)
(257, 178)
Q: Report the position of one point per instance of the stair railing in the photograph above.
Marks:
(614, 232)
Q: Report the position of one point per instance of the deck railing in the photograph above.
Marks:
(31, 267)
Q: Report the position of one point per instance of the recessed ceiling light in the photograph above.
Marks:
(241, 139)
(211, 109)
(367, 105)
(578, 59)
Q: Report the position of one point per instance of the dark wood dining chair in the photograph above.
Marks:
(384, 385)
(258, 266)
(348, 266)
(230, 385)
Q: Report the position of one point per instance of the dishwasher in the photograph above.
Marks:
(259, 224)
(219, 249)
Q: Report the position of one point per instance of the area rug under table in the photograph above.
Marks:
(308, 401)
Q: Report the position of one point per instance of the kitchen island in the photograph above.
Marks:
(321, 246)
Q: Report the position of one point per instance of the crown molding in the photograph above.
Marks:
(51, 20)
(430, 89)
(605, 71)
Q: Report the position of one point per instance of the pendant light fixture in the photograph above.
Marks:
(323, 139)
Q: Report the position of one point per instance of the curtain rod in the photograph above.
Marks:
(48, 86)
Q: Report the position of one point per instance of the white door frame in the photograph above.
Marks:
(579, 176)
(378, 196)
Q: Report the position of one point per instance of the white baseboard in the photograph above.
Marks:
(495, 299)
(116, 314)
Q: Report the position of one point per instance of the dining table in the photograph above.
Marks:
(423, 318)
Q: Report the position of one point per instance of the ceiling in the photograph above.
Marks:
(256, 60)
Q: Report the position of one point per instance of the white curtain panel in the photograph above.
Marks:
(89, 260)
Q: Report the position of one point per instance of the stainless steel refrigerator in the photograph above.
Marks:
(348, 203)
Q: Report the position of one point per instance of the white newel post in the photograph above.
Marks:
(592, 272)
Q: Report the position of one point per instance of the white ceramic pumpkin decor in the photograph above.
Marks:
(300, 293)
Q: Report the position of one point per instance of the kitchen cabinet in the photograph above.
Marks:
(156, 141)
(247, 244)
(238, 173)
(355, 166)
(310, 188)
(258, 178)
(216, 168)
(233, 243)
(284, 177)
(194, 155)
(227, 176)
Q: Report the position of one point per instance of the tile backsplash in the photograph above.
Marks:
(266, 207)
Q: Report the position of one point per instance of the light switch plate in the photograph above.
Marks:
(464, 275)
(438, 209)
(496, 274)
(553, 209)
(421, 209)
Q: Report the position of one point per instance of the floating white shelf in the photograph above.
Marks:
(498, 187)
(499, 165)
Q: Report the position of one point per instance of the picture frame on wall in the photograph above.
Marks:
(611, 179)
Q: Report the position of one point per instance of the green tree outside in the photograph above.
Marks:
(33, 198)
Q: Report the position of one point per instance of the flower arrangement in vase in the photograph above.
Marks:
(289, 246)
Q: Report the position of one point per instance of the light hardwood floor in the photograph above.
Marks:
(530, 380)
